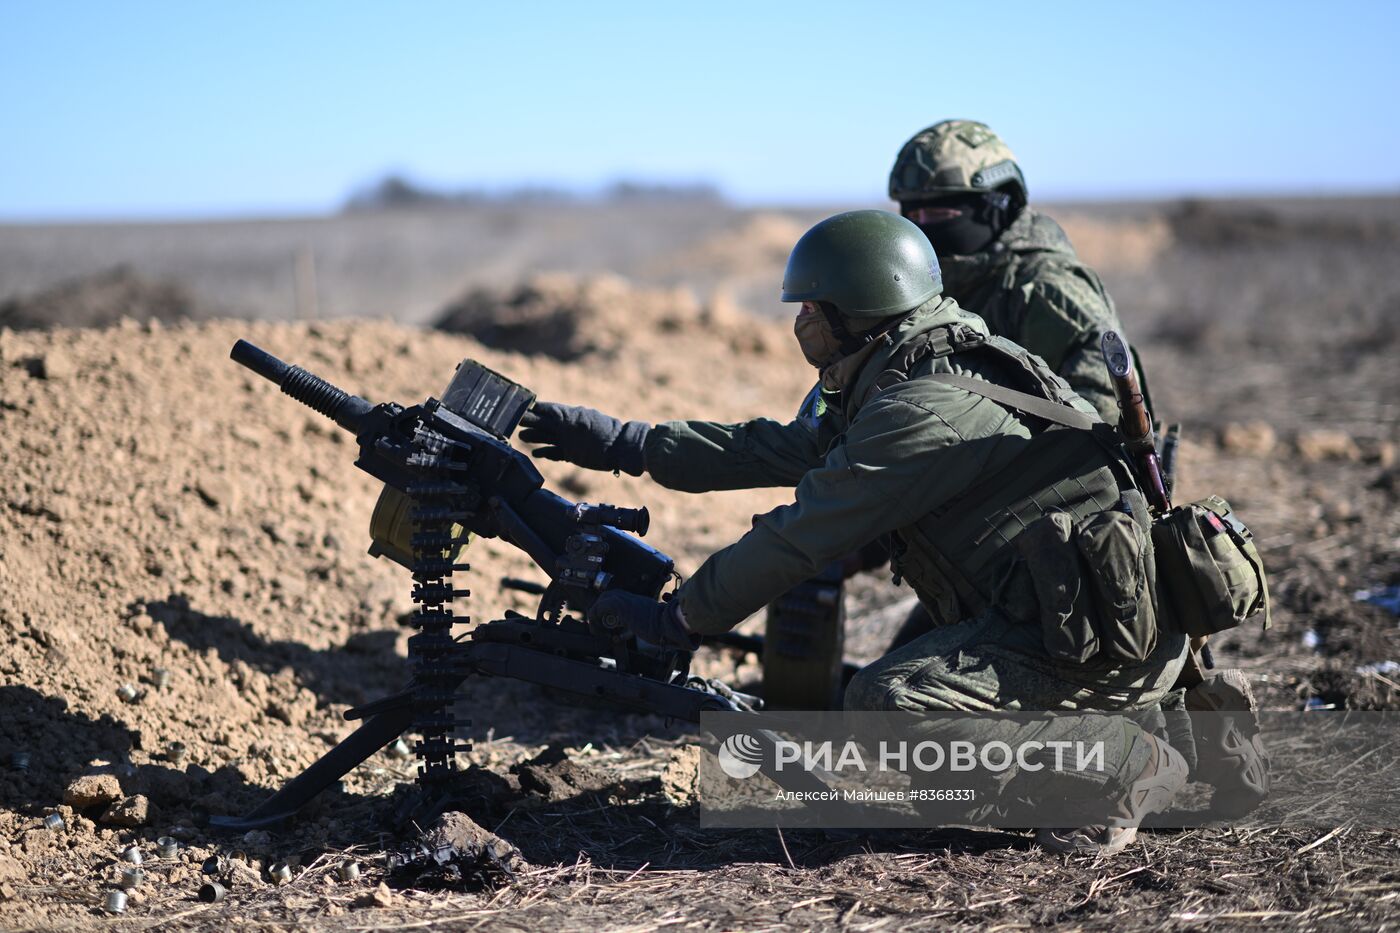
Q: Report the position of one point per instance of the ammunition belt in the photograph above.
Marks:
(437, 503)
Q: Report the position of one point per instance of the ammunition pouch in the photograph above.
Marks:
(1094, 582)
(1116, 546)
(392, 526)
(1053, 562)
(1212, 576)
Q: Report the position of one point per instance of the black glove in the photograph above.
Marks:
(651, 621)
(586, 437)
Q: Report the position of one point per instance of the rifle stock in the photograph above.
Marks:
(1135, 421)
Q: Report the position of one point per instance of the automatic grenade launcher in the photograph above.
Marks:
(450, 473)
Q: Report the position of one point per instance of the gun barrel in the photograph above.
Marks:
(259, 361)
(311, 390)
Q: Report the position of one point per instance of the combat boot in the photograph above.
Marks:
(1229, 749)
(1150, 792)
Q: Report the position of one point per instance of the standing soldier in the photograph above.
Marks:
(1001, 258)
(981, 464)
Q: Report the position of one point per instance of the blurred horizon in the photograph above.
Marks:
(162, 111)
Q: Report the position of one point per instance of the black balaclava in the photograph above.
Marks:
(981, 217)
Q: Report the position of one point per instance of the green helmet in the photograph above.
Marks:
(868, 264)
(954, 156)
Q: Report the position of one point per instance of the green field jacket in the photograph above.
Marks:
(1031, 288)
(953, 474)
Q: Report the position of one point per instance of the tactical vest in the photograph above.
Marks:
(960, 558)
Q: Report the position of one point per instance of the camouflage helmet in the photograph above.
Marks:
(868, 264)
(951, 157)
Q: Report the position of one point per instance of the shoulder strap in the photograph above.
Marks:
(1104, 434)
(957, 338)
(1053, 412)
(938, 342)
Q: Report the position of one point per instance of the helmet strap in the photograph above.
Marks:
(849, 342)
(996, 211)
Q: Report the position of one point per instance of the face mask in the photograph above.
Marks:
(961, 236)
(819, 345)
(963, 225)
(838, 375)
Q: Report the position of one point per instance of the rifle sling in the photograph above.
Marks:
(948, 341)
(1103, 433)
(1050, 411)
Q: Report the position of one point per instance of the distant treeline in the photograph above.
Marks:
(393, 191)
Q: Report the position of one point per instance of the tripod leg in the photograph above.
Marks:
(376, 732)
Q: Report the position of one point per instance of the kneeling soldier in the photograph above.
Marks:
(983, 465)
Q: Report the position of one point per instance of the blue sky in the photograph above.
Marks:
(145, 109)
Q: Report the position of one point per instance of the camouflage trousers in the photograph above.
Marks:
(991, 662)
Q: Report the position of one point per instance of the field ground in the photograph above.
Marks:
(164, 510)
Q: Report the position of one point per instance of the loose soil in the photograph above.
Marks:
(173, 525)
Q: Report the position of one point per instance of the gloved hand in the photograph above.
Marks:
(651, 621)
(585, 437)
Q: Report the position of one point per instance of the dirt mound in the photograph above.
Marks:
(186, 604)
(739, 266)
(567, 318)
(455, 852)
(101, 300)
(758, 246)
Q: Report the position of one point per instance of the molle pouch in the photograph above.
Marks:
(1047, 546)
(1209, 568)
(1118, 564)
(934, 589)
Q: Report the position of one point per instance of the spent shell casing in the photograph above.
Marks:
(213, 865)
(161, 678)
(54, 821)
(400, 749)
(212, 892)
(167, 847)
(280, 872)
(131, 878)
(115, 902)
(133, 855)
(175, 752)
(19, 761)
(348, 872)
(128, 692)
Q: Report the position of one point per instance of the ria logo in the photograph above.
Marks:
(740, 756)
